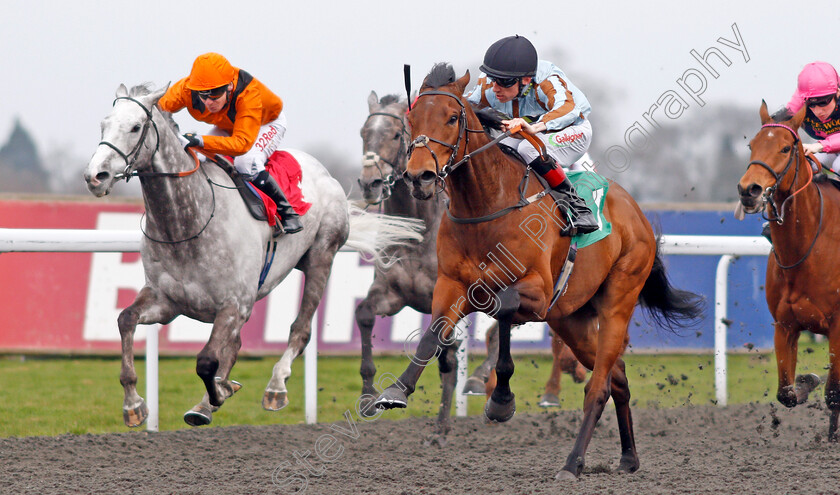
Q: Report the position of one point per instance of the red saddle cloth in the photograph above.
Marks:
(287, 172)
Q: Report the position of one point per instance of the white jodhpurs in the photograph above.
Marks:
(566, 146)
(268, 141)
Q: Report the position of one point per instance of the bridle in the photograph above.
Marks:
(131, 159)
(767, 197)
(373, 159)
(422, 141)
(769, 193)
(451, 165)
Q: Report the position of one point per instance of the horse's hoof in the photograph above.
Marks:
(136, 416)
(629, 465)
(564, 475)
(435, 440)
(549, 400)
(274, 401)
(474, 386)
(391, 398)
(499, 413)
(807, 383)
(367, 408)
(199, 415)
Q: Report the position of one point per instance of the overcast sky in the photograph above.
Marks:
(62, 61)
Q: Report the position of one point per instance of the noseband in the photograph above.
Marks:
(373, 159)
(131, 157)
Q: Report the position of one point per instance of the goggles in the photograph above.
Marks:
(505, 82)
(213, 94)
(821, 101)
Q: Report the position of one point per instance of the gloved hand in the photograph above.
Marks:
(192, 140)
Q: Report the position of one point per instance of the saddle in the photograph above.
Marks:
(286, 171)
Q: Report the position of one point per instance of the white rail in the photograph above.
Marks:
(82, 240)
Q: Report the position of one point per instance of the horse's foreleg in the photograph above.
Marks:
(476, 383)
(620, 390)
(448, 367)
(449, 305)
(502, 405)
(786, 342)
(378, 301)
(135, 410)
(316, 267)
(216, 359)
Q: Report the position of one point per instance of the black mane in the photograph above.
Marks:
(781, 115)
(441, 74)
(389, 99)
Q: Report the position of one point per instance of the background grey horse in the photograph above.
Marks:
(203, 253)
(411, 281)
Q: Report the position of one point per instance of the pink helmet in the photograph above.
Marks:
(818, 79)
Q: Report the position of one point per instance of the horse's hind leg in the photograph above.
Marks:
(620, 390)
(316, 268)
(477, 381)
(448, 367)
(832, 385)
(135, 411)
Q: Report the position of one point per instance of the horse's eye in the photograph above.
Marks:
(396, 136)
(452, 120)
(136, 128)
(786, 149)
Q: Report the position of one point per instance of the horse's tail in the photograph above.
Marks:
(372, 233)
(669, 307)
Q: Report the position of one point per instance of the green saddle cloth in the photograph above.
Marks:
(593, 189)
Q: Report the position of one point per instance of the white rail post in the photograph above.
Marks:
(721, 326)
(461, 356)
(152, 377)
(310, 371)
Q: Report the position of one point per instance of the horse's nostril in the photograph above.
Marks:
(427, 176)
(755, 190)
(102, 176)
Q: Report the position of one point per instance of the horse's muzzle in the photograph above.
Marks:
(423, 185)
(751, 197)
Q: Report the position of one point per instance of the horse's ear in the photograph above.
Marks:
(154, 96)
(463, 81)
(797, 119)
(373, 101)
(122, 91)
(763, 113)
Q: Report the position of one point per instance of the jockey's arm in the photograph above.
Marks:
(530, 128)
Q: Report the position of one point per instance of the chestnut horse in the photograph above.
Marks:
(802, 290)
(491, 264)
(410, 281)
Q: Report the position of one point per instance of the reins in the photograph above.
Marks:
(779, 213)
(132, 157)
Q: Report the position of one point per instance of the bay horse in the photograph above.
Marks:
(410, 282)
(496, 267)
(207, 258)
(802, 288)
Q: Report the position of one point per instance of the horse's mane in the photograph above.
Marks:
(390, 99)
(145, 89)
(441, 74)
(781, 115)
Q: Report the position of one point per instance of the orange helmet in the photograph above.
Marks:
(210, 71)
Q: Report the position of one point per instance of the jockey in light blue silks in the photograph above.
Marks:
(537, 95)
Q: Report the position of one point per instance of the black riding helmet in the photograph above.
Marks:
(513, 56)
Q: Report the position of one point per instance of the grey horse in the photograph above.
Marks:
(203, 253)
(411, 281)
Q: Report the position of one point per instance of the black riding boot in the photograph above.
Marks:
(289, 219)
(583, 220)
